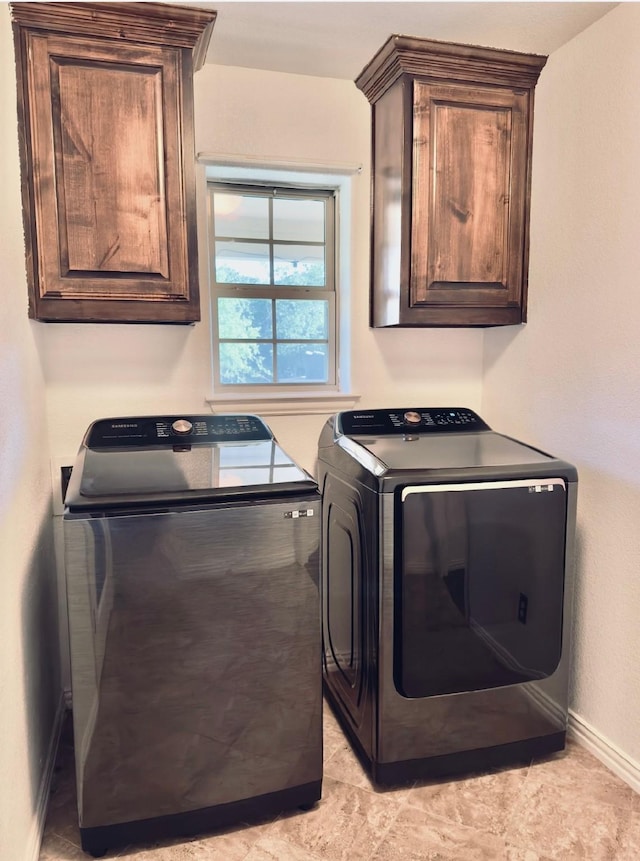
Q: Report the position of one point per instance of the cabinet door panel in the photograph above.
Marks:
(469, 175)
(112, 204)
(470, 195)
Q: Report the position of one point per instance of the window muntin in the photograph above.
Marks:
(273, 279)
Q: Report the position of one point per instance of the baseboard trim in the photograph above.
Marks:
(34, 843)
(604, 750)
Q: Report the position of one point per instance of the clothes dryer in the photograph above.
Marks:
(446, 590)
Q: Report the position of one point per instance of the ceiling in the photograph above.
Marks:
(336, 39)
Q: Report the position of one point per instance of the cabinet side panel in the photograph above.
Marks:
(388, 217)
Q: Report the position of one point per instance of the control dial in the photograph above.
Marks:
(412, 418)
(182, 427)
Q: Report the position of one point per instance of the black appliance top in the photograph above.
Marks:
(168, 431)
(409, 420)
(396, 446)
(151, 460)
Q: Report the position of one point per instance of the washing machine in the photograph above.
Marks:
(446, 591)
(192, 562)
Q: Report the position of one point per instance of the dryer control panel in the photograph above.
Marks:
(134, 432)
(414, 420)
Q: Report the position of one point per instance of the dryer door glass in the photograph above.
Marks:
(479, 585)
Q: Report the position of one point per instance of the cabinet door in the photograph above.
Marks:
(469, 191)
(110, 198)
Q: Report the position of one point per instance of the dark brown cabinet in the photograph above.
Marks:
(107, 153)
(452, 135)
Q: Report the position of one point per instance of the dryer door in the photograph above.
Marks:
(479, 585)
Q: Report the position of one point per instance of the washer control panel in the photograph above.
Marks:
(176, 430)
(410, 420)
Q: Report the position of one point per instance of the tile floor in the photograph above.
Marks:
(565, 807)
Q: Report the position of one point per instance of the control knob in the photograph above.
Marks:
(412, 418)
(182, 427)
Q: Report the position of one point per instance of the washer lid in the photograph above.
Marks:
(133, 462)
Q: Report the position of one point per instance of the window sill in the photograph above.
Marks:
(281, 404)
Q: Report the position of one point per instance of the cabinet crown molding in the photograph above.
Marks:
(447, 61)
(143, 23)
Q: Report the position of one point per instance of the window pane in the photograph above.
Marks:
(246, 363)
(244, 318)
(242, 263)
(241, 217)
(298, 220)
(299, 265)
(270, 243)
(303, 363)
(299, 319)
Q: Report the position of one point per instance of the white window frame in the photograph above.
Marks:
(337, 177)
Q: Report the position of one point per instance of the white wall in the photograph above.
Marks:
(29, 665)
(569, 381)
(101, 370)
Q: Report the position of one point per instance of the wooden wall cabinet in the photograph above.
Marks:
(105, 105)
(452, 135)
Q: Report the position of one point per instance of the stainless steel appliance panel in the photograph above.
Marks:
(453, 451)
(195, 658)
(414, 728)
(348, 602)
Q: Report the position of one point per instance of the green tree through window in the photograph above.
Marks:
(273, 276)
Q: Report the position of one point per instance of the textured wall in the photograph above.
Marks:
(29, 671)
(569, 381)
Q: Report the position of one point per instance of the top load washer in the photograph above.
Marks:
(446, 590)
(192, 562)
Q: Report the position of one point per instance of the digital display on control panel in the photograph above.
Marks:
(176, 430)
(410, 420)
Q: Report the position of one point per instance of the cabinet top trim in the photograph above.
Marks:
(448, 61)
(148, 23)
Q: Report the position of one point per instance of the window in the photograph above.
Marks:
(273, 276)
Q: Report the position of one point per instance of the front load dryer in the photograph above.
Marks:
(446, 591)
